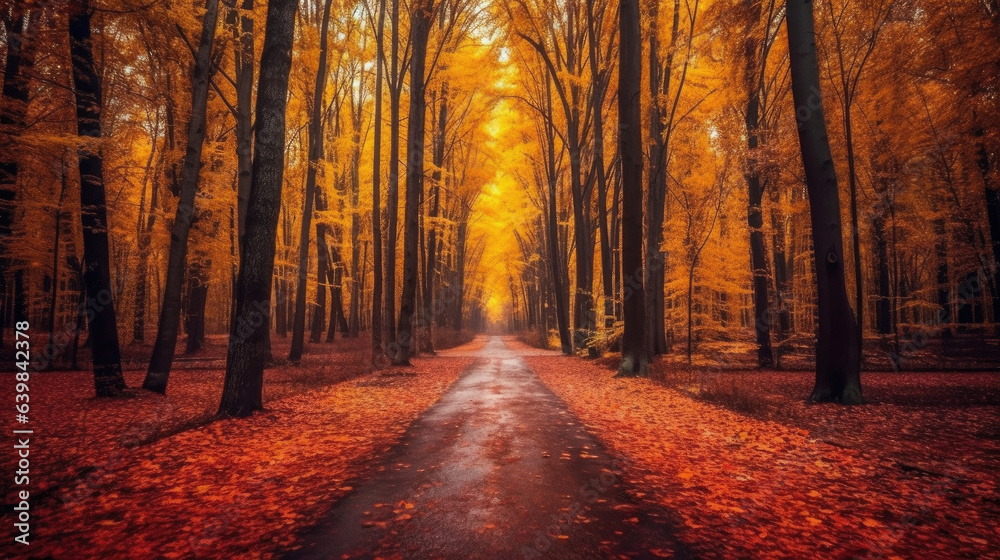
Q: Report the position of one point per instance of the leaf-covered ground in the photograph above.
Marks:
(150, 477)
(824, 482)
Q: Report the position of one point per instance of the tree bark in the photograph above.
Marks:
(242, 391)
(377, 241)
(837, 376)
(244, 114)
(108, 379)
(420, 18)
(599, 77)
(635, 353)
(170, 312)
(315, 153)
(755, 221)
(392, 204)
(561, 291)
(322, 265)
(21, 48)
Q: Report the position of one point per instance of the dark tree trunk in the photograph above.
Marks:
(354, 318)
(859, 297)
(244, 113)
(103, 329)
(420, 18)
(943, 280)
(561, 292)
(837, 376)
(377, 241)
(635, 354)
(753, 72)
(435, 207)
(993, 217)
(147, 219)
(659, 130)
(337, 316)
(599, 76)
(322, 264)
(170, 311)
(280, 309)
(242, 391)
(20, 59)
(392, 204)
(315, 153)
(883, 319)
(755, 220)
(460, 266)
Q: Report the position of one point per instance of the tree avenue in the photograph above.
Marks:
(741, 184)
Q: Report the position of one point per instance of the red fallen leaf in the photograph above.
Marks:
(812, 461)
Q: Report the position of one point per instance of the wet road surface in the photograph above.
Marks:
(497, 468)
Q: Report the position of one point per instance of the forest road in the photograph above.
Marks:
(497, 468)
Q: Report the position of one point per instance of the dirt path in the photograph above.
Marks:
(498, 468)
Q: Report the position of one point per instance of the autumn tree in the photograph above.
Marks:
(170, 310)
(242, 392)
(315, 153)
(634, 350)
(421, 14)
(103, 327)
(837, 374)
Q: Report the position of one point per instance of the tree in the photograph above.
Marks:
(634, 351)
(377, 241)
(420, 23)
(20, 59)
(170, 311)
(663, 120)
(838, 377)
(315, 153)
(242, 392)
(103, 328)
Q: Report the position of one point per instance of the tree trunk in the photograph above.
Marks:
(460, 266)
(337, 316)
(354, 319)
(392, 204)
(20, 59)
(597, 104)
(859, 296)
(659, 84)
(882, 312)
(993, 217)
(108, 379)
(420, 18)
(315, 153)
(430, 223)
(170, 311)
(377, 241)
(322, 264)
(244, 114)
(635, 353)
(144, 235)
(242, 391)
(755, 221)
(561, 291)
(837, 376)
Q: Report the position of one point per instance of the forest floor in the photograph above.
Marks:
(492, 446)
(750, 469)
(153, 476)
